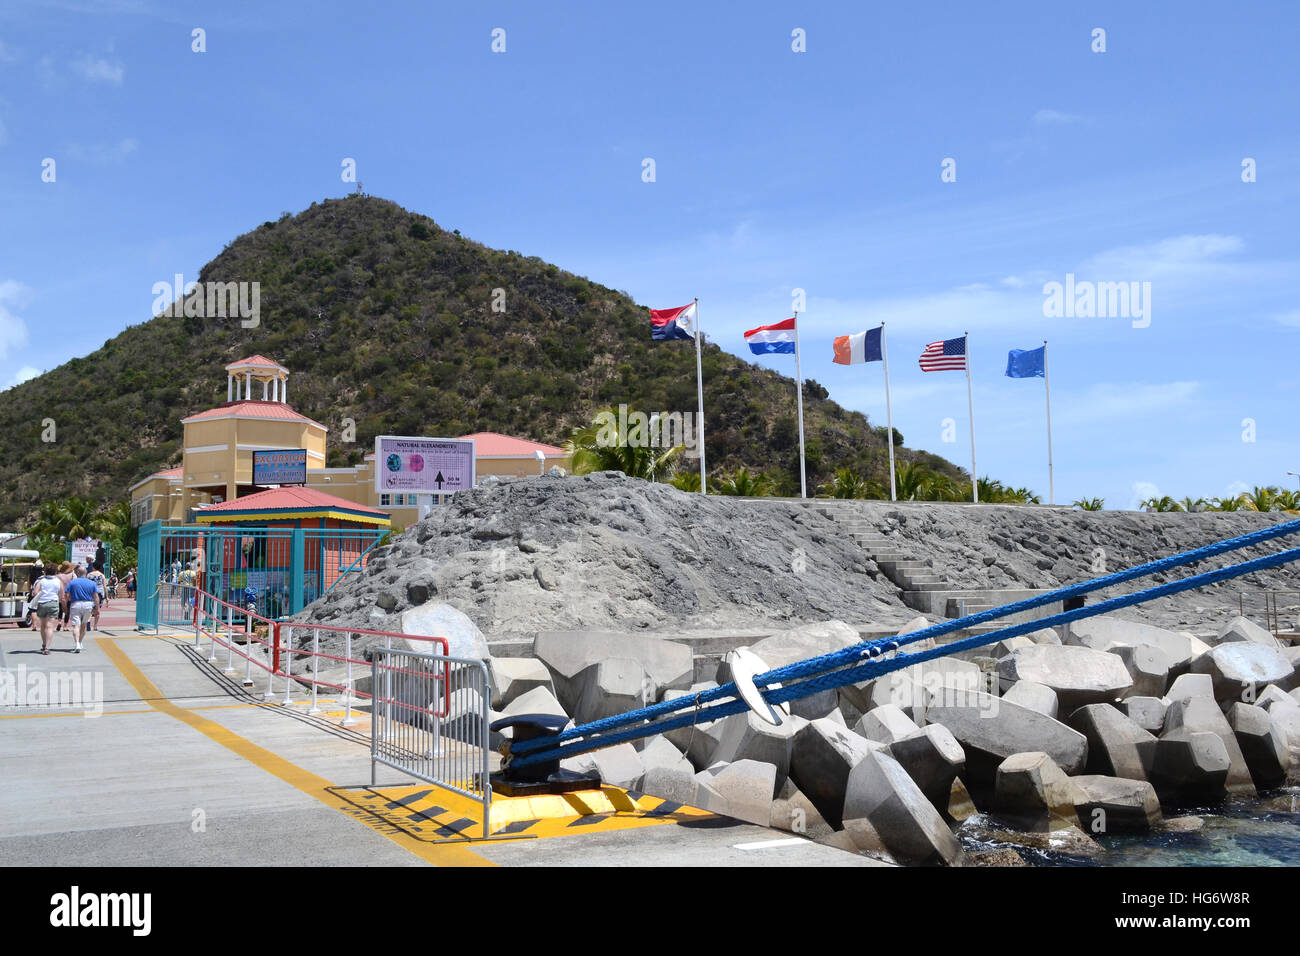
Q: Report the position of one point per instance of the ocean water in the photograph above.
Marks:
(1259, 832)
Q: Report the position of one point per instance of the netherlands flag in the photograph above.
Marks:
(666, 324)
(778, 337)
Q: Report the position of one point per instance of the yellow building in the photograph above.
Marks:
(218, 446)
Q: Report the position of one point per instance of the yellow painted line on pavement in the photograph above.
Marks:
(119, 713)
(439, 854)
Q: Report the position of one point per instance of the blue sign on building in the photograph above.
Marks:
(285, 467)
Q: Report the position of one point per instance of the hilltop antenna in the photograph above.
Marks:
(361, 190)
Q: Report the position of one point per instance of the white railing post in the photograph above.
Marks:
(248, 649)
(230, 640)
(347, 687)
(287, 651)
(315, 670)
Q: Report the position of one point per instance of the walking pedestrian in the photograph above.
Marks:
(101, 589)
(66, 574)
(48, 598)
(83, 600)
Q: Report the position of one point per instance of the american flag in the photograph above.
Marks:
(945, 356)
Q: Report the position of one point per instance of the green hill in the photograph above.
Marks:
(385, 318)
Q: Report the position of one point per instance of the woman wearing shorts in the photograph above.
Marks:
(65, 577)
(48, 597)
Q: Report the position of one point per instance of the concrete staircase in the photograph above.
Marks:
(922, 587)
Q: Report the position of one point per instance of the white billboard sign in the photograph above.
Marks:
(427, 466)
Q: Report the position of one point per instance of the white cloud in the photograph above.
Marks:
(22, 375)
(1142, 490)
(13, 331)
(100, 70)
(1291, 318)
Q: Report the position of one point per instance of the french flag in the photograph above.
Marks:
(666, 324)
(778, 337)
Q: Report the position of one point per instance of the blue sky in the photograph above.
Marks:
(775, 170)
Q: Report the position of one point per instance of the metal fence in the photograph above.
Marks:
(428, 711)
(279, 570)
(431, 721)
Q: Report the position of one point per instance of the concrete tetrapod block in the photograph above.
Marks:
(1008, 646)
(742, 790)
(1147, 712)
(823, 755)
(1034, 793)
(668, 774)
(1117, 746)
(1116, 804)
(991, 729)
(933, 758)
(746, 736)
(1238, 666)
(795, 813)
(1263, 744)
(567, 653)
(1285, 712)
(1199, 714)
(696, 741)
(1244, 630)
(513, 676)
(1190, 685)
(1105, 631)
(1079, 675)
(885, 724)
(1045, 635)
(1190, 767)
(1035, 696)
(539, 700)
(609, 688)
(1147, 665)
(906, 688)
(885, 810)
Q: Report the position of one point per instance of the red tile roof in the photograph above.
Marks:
(494, 443)
(256, 361)
(296, 498)
(252, 409)
(168, 473)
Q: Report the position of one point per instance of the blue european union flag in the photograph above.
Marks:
(1026, 363)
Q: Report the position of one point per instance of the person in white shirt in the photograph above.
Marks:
(47, 596)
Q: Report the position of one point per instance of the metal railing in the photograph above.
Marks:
(1273, 621)
(446, 747)
(428, 711)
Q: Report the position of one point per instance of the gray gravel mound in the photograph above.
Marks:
(609, 552)
(1017, 546)
(605, 551)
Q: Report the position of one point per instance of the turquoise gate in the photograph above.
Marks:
(285, 568)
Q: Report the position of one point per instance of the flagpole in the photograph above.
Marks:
(798, 394)
(970, 405)
(889, 413)
(699, 389)
(1047, 384)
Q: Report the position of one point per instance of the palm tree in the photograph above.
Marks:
(847, 483)
(1227, 504)
(686, 481)
(1191, 505)
(913, 481)
(593, 448)
(1090, 504)
(1162, 504)
(1261, 499)
(746, 483)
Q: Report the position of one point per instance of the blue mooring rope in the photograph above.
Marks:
(833, 670)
